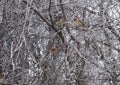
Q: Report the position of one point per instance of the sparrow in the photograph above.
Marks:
(78, 22)
(54, 50)
(61, 22)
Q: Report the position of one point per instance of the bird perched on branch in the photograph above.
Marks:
(61, 22)
(54, 50)
(78, 22)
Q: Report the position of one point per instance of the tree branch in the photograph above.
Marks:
(46, 21)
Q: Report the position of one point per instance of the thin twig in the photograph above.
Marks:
(45, 20)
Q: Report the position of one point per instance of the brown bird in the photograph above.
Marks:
(54, 50)
(61, 22)
(78, 22)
